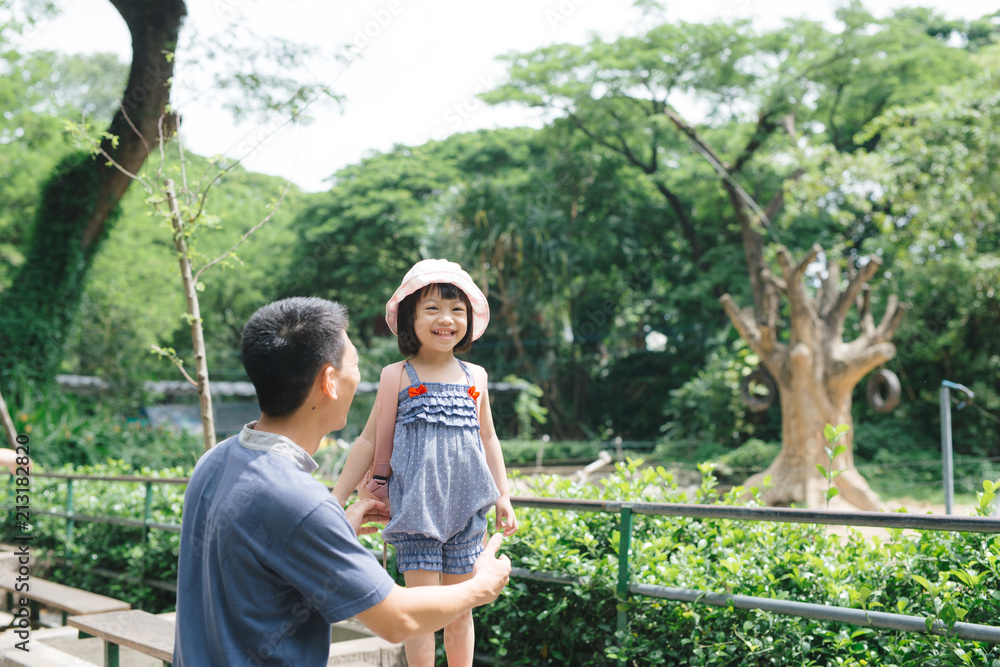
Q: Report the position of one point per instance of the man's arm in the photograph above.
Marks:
(408, 612)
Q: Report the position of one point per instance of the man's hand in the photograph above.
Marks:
(364, 511)
(492, 572)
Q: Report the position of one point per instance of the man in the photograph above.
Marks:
(268, 558)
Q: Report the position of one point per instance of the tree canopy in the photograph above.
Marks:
(605, 238)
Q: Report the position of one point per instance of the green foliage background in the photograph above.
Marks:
(594, 236)
(588, 247)
(944, 577)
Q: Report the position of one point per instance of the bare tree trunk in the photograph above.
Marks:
(78, 201)
(807, 407)
(136, 127)
(194, 313)
(816, 372)
(8, 423)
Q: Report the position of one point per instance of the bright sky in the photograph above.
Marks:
(422, 64)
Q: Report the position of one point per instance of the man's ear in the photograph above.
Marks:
(327, 381)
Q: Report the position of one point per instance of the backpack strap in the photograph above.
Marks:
(473, 393)
(387, 402)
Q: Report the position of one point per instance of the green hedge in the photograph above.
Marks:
(948, 576)
(96, 546)
(519, 453)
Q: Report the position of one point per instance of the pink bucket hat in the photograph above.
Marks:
(431, 271)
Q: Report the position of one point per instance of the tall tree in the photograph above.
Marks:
(929, 196)
(359, 238)
(760, 91)
(78, 202)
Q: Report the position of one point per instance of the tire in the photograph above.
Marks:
(757, 402)
(883, 391)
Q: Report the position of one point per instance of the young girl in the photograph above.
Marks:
(447, 466)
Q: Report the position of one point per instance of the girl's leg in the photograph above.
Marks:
(420, 650)
(460, 635)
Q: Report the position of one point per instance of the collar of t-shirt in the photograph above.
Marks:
(273, 443)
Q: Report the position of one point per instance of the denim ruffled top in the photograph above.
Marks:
(440, 477)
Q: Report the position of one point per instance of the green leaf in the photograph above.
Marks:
(923, 582)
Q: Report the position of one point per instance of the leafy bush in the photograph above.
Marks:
(75, 560)
(748, 458)
(629, 396)
(67, 429)
(525, 452)
(948, 577)
(944, 576)
(708, 407)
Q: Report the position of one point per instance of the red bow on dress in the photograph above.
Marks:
(473, 393)
(416, 391)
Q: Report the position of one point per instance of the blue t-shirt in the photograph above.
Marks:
(267, 560)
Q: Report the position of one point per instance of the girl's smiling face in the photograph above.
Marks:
(440, 323)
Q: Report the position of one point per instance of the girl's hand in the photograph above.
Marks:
(506, 521)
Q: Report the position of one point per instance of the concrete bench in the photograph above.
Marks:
(41, 655)
(154, 636)
(138, 630)
(40, 650)
(70, 601)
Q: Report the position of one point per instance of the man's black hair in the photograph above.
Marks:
(407, 339)
(285, 344)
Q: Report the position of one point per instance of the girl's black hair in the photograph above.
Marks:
(407, 339)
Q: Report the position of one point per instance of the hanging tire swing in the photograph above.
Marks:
(883, 391)
(756, 401)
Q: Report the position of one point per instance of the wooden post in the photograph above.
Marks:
(194, 312)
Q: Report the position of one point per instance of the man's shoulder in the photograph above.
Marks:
(268, 478)
(288, 490)
(213, 457)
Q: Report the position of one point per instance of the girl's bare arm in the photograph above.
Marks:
(358, 461)
(506, 520)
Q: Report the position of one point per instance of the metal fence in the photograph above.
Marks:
(626, 512)
(72, 517)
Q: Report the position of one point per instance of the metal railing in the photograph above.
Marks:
(626, 512)
(146, 523)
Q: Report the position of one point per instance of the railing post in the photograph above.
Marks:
(146, 520)
(947, 471)
(624, 546)
(69, 516)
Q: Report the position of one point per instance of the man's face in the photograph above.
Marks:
(346, 379)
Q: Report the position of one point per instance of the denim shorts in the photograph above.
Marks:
(456, 556)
